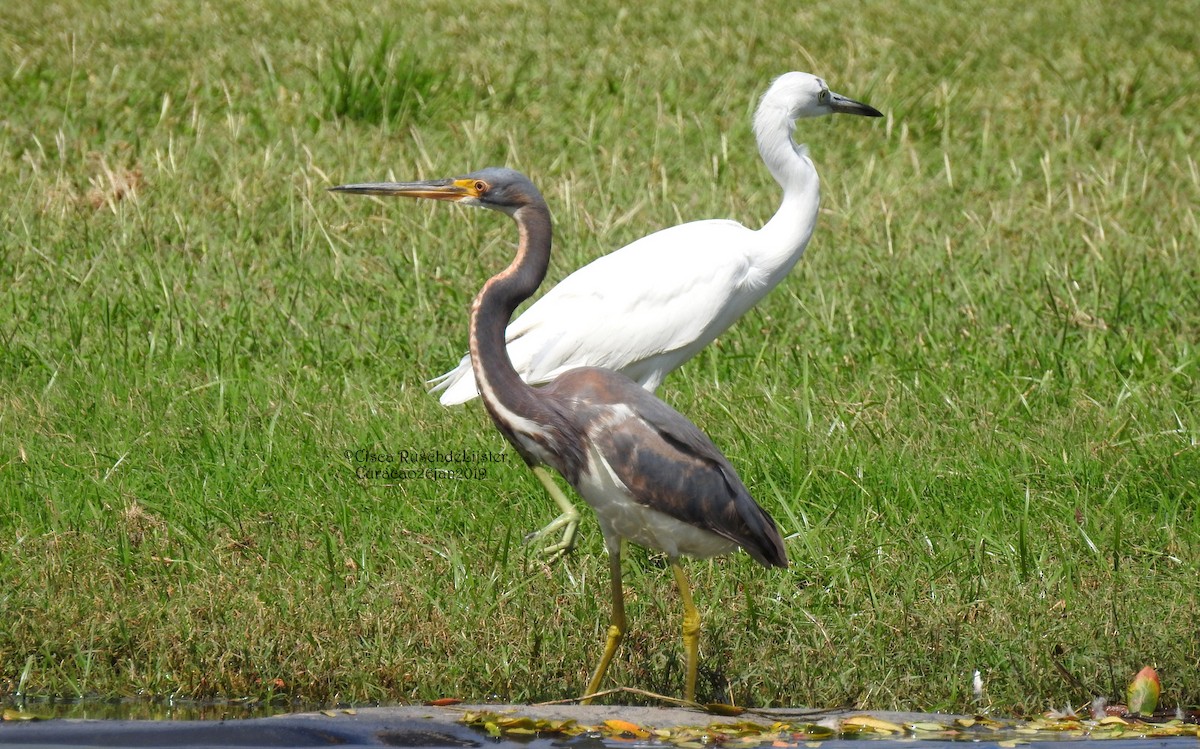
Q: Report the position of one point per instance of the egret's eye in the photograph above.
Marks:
(480, 186)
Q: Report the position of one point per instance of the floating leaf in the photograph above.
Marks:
(522, 731)
(443, 702)
(516, 722)
(815, 731)
(1142, 694)
(1063, 724)
(623, 726)
(10, 714)
(876, 724)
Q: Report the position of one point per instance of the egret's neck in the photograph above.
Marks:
(788, 231)
(501, 387)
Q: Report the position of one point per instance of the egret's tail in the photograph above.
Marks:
(456, 386)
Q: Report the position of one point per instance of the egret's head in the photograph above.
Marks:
(805, 95)
(500, 189)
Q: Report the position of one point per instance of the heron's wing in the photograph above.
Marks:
(667, 463)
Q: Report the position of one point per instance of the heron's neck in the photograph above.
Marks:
(499, 384)
(790, 228)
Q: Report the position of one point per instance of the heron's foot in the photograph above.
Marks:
(616, 632)
(691, 632)
(568, 523)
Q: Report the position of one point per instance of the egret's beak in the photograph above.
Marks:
(843, 105)
(435, 189)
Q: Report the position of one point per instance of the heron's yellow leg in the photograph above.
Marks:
(691, 631)
(616, 630)
(568, 519)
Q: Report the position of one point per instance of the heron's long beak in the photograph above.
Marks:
(435, 189)
(843, 105)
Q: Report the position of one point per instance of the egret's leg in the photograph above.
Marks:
(616, 630)
(568, 520)
(691, 631)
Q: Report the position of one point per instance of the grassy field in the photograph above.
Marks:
(974, 407)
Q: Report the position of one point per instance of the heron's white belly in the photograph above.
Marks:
(621, 516)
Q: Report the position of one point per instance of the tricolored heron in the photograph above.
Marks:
(652, 476)
(650, 306)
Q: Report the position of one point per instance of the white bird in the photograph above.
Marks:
(648, 307)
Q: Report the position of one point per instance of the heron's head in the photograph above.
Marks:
(500, 189)
(805, 95)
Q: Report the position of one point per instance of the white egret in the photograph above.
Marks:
(648, 307)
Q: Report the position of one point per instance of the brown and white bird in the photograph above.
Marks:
(652, 477)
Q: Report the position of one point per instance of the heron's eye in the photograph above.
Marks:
(480, 186)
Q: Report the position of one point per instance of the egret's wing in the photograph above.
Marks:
(671, 291)
(661, 293)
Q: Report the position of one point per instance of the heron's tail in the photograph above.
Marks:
(765, 544)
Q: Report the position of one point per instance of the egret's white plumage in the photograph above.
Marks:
(648, 307)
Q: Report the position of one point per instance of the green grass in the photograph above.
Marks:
(973, 408)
